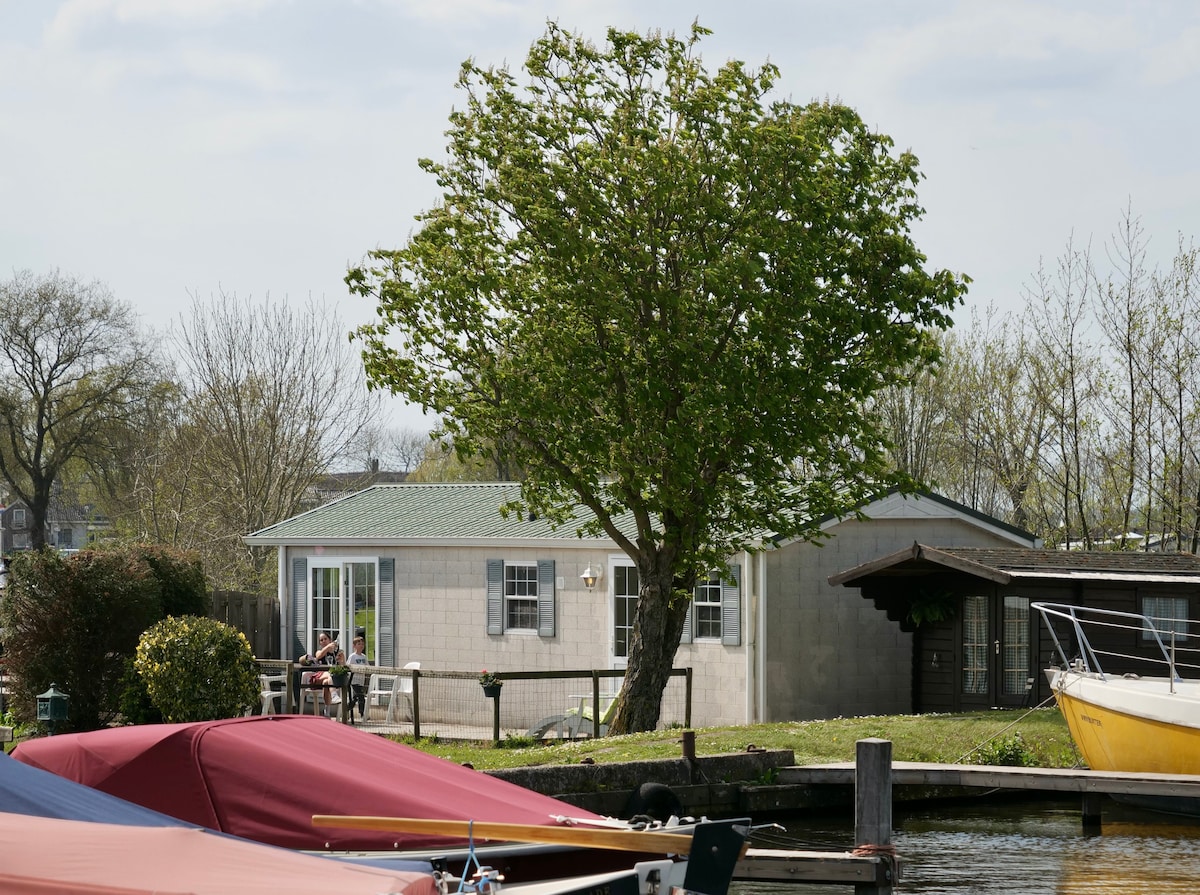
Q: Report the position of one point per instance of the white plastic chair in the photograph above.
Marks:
(402, 686)
(268, 695)
(379, 690)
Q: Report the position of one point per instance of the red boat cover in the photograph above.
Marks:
(263, 778)
(43, 855)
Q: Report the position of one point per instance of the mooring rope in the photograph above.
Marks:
(1047, 701)
(874, 851)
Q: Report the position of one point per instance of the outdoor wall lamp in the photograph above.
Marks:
(589, 577)
(52, 707)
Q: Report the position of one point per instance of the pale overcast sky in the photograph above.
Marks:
(168, 147)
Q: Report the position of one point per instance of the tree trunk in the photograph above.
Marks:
(656, 631)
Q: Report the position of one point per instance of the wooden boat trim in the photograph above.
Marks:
(651, 842)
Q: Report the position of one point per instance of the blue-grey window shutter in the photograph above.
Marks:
(545, 598)
(387, 613)
(299, 607)
(731, 608)
(495, 596)
(686, 637)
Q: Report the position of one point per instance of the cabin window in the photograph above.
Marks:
(625, 597)
(520, 596)
(715, 612)
(18, 517)
(707, 608)
(1168, 615)
(975, 644)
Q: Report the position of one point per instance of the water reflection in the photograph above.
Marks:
(1023, 848)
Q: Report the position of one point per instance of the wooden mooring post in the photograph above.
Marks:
(872, 867)
(873, 810)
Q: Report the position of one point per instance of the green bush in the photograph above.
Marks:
(197, 669)
(136, 707)
(182, 586)
(72, 622)
(1006, 751)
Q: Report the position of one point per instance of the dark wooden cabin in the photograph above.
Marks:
(977, 644)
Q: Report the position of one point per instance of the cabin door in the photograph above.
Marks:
(342, 601)
(996, 663)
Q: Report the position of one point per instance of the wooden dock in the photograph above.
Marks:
(814, 867)
(1091, 785)
(918, 773)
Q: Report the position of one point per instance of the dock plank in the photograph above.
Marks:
(912, 773)
(785, 865)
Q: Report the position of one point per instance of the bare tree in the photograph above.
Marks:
(74, 371)
(275, 397)
(1059, 308)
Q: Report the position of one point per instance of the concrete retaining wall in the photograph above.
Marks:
(716, 786)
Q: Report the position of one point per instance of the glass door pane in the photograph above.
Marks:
(625, 594)
(324, 610)
(976, 643)
(1015, 671)
(360, 584)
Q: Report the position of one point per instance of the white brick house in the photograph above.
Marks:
(435, 574)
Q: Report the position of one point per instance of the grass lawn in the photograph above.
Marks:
(1036, 738)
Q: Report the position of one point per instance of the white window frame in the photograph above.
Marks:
(521, 596)
(18, 517)
(706, 608)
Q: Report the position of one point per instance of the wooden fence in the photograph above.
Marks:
(255, 615)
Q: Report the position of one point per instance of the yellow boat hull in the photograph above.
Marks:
(1120, 736)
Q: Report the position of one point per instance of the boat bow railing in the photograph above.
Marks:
(1164, 632)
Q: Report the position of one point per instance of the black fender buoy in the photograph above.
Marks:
(653, 800)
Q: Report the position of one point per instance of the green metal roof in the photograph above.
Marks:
(410, 512)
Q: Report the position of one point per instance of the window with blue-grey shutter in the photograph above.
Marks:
(299, 606)
(715, 610)
(495, 596)
(520, 576)
(731, 608)
(387, 613)
(545, 601)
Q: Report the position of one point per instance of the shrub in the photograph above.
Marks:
(197, 669)
(136, 707)
(1007, 751)
(182, 586)
(71, 622)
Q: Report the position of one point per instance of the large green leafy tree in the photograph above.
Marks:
(664, 296)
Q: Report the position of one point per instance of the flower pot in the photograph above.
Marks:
(339, 680)
(491, 690)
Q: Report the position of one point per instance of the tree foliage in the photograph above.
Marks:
(662, 294)
(71, 622)
(73, 368)
(197, 669)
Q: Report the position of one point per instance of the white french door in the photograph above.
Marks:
(343, 601)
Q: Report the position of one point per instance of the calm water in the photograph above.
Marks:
(1021, 848)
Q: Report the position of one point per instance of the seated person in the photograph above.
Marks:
(328, 653)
